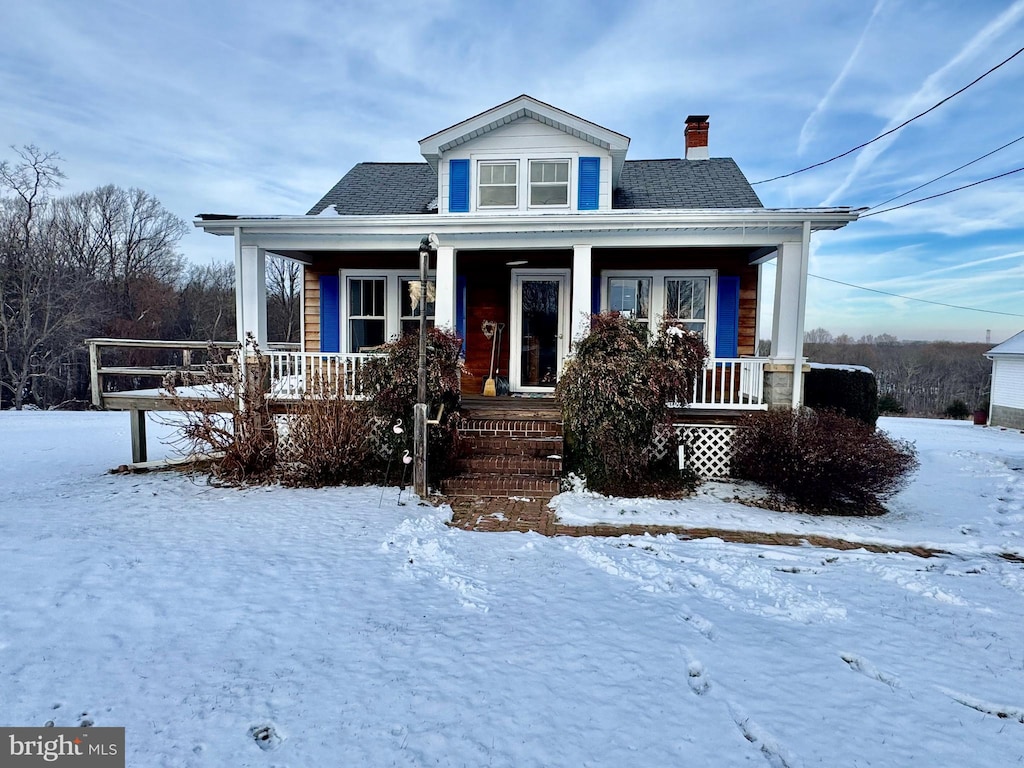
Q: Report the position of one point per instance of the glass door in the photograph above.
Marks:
(539, 332)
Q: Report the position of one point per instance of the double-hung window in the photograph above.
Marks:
(657, 294)
(498, 185)
(686, 298)
(410, 295)
(549, 183)
(631, 296)
(381, 305)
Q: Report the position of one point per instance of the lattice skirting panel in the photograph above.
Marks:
(286, 449)
(708, 447)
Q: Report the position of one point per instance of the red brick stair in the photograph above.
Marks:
(509, 449)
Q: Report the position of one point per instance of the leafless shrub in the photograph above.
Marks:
(227, 415)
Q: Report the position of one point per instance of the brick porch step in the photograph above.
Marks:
(509, 428)
(539, 447)
(513, 465)
(473, 484)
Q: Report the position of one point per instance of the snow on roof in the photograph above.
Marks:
(1012, 346)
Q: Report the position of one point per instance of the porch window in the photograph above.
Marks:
(631, 296)
(411, 295)
(687, 299)
(549, 183)
(366, 307)
(498, 185)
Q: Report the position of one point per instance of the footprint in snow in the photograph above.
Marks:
(266, 736)
(776, 755)
(698, 622)
(866, 668)
(697, 678)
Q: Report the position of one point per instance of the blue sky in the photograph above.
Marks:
(261, 107)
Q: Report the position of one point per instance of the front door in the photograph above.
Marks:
(540, 329)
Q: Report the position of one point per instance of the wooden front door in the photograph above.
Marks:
(539, 333)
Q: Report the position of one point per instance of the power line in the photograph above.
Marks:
(943, 194)
(898, 127)
(948, 173)
(912, 298)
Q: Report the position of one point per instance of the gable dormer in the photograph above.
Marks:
(525, 156)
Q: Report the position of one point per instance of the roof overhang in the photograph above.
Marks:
(760, 229)
(433, 146)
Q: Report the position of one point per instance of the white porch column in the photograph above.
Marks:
(250, 292)
(444, 288)
(790, 308)
(582, 286)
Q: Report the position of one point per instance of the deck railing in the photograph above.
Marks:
(293, 374)
(730, 384)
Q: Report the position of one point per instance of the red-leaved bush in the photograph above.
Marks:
(822, 461)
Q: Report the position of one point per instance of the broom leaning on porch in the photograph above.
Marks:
(488, 328)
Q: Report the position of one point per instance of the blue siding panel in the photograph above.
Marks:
(589, 183)
(330, 314)
(460, 310)
(595, 295)
(458, 186)
(728, 315)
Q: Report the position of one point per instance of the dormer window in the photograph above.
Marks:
(498, 185)
(549, 183)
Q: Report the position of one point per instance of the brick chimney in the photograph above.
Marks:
(696, 135)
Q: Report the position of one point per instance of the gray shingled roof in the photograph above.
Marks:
(714, 183)
(380, 189)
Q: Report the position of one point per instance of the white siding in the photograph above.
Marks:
(1008, 382)
(524, 140)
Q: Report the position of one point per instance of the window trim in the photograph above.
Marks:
(392, 299)
(659, 292)
(480, 163)
(568, 182)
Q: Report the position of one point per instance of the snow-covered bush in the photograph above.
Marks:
(822, 461)
(614, 396)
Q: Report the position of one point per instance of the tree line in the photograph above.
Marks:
(103, 263)
(924, 378)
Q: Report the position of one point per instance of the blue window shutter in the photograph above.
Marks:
(595, 295)
(458, 186)
(460, 310)
(728, 327)
(330, 314)
(589, 183)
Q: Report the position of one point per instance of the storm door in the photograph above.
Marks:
(539, 333)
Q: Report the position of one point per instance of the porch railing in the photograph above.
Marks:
(293, 374)
(730, 384)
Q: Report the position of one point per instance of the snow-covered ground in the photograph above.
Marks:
(352, 631)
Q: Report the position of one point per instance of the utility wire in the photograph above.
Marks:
(898, 127)
(942, 194)
(948, 173)
(912, 298)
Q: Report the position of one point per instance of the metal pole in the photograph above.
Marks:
(419, 452)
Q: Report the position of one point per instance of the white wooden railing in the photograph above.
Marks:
(730, 384)
(292, 374)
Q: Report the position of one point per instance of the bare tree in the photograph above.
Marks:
(44, 299)
(284, 302)
(206, 303)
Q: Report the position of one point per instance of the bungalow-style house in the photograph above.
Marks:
(1006, 407)
(541, 221)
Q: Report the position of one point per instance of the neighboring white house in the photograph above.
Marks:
(542, 220)
(1007, 401)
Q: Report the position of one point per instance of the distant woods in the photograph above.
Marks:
(925, 378)
(103, 263)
